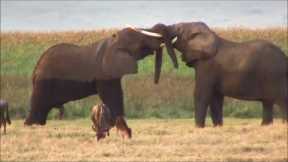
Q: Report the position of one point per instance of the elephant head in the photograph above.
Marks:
(194, 40)
(166, 36)
(129, 45)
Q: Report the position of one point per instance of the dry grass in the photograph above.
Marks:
(278, 35)
(77, 37)
(161, 140)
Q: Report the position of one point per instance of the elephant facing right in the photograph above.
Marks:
(253, 70)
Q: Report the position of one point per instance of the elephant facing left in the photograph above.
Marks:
(256, 70)
(67, 72)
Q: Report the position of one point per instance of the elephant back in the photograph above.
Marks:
(71, 62)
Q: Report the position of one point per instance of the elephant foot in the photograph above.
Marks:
(218, 125)
(264, 123)
(200, 125)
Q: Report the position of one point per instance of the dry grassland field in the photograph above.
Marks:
(153, 140)
(161, 116)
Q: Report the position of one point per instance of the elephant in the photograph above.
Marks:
(255, 70)
(67, 72)
(4, 110)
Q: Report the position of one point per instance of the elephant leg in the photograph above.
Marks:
(112, 95)
(39, 108)
(110, 92)
(202, 100)
(267, 117)
(284, 108)
(216, 110)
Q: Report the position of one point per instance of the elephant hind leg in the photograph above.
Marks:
(267, 116)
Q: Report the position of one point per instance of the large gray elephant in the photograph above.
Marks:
(254, 70)
(67, 72)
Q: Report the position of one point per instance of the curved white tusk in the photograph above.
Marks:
(144, 31)
(162, 45)
(174, 40)
(150, 33)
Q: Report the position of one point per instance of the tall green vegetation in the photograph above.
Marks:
(173, 97)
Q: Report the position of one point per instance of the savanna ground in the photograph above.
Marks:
(153, 140)
(162, 115)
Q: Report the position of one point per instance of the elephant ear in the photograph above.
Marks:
(118, 62)
(202, 41)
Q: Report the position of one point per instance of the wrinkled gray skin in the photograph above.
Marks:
(4, 114)
(255, 70)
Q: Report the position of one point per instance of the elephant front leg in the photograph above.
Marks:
(284, 108)
(216, 110)
(267, 112)
(202, 100)
(111, 94)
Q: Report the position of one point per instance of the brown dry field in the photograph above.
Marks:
(153, 140)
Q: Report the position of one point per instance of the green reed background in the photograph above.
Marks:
(171, 98)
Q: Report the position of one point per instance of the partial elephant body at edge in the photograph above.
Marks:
(254, 70)
(245, 74)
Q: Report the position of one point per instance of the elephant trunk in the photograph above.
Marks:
(158, 64)
(163, 29)
(171, 51)
(170, 48)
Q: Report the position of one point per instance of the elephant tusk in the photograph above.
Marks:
(174, 40)
(152, 34)
(162, 45)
